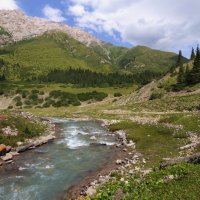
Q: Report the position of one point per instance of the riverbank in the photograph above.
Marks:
(8, 153)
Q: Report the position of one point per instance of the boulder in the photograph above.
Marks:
(8, 149)
(7, 157)
(25, 148)
(195, 159)
(3, 150)
(119, 162)
(91, 191)
(93, 138)
(19, 143)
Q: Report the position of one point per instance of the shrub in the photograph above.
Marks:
(1, 92)
(35, 91)
(33, 97)
(17, 99)
(117, 94)
(10, 107)
(25, 93)
(157, 94)
(19, 103)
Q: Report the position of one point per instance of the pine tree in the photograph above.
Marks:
(192, 54)
(195, 73)
(181, 75)
(187, 74)
(180, 59)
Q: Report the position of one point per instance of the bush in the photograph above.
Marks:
(1, 92)
(98, 96)
(41, 93)
(35, 91)
(10, 107)
(19, 103)
(117, 94)
(33, 97)
(157, 94)
(17, 99)
(25, 93)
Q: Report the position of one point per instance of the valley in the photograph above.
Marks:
(134, 111)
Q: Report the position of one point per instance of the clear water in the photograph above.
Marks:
(46, 172)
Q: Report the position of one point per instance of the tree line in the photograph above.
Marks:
(87, 78)
(189, 75)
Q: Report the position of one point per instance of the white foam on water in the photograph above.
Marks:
(22, 168)
(75, 143)
(49, 166)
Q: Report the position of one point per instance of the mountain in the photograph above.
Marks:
(23, 27)
(39, 46)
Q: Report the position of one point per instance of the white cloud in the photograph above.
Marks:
(53, 14)
(77, 10)
(8, 5)
(168, 25)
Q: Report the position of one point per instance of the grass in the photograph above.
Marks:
(25, 128)
(151, 140)
(175, 103)
(184, 186)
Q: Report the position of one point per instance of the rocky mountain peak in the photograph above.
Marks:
(22, 27)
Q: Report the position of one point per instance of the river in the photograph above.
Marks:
(46, 172)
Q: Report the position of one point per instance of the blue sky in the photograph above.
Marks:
(166, 25)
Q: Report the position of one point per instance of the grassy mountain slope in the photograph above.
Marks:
(54, 50)
(143, 58)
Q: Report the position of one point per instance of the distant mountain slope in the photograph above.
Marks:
(39, 46)
(143, 58)
(54, 50)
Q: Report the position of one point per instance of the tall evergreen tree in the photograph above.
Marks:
(180, 59)
(181, 75)
(195, 73)
(187, 74)
(192, 57)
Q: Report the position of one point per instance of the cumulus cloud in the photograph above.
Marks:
(8, 5)
(53, 14)
(168, 25)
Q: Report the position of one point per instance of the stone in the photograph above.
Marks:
(19, 143)
(93, 138)
(131, 172)
(169, 178)
(119, 162)
(125, 150)
(91, 191)
(24, 148)
(7, 157)
(14, 153)
(10, 132)
(3, 150)
(8, 149)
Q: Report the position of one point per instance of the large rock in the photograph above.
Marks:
(91, 191)
(7, 157)
(3, 149)
(24, 148)
(195, 159)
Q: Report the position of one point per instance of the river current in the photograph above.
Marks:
(46, 172)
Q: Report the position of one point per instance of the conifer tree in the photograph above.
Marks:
(180, 59)
(192, 54)
(195, 73)
(181, 75)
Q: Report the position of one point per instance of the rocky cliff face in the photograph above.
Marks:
(22, 27)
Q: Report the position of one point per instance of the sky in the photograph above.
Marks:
(166, 25)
